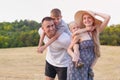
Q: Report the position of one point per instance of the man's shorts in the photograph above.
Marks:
(51, 71)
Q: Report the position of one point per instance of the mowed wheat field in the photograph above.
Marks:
(26, 64)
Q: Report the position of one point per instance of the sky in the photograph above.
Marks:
(11, 10)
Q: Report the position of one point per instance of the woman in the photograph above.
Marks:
(89, 46)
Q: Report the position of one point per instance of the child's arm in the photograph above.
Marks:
(59, 32)
(41, 40)
(79, 31)
(39, 50)
(73, 53)
(50, 41)
(70, 50)
(61, 29)
(76, 50)
(73, 48)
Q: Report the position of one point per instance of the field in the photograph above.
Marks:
(26, 64)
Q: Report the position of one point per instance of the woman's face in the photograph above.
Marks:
(88, 20)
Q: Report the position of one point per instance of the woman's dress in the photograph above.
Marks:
(87, 56)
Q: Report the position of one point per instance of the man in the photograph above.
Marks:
(60, 25)
(57, 58)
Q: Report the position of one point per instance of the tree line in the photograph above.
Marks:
(111, 35)
(21, 33)
(24, 33)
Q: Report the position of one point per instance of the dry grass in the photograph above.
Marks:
(108, 66)
(21, 64)
(27, 64)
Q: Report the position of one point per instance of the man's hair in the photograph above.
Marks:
(47, 19)
(55, 12)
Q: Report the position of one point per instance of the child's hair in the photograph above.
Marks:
(55, 12)
(71, 24)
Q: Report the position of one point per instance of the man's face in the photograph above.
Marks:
(49, 28)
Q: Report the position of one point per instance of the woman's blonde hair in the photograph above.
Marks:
(95, 35)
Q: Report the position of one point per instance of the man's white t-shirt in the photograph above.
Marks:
(57, 52)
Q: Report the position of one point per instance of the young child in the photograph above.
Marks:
(78, 35)
(61, 27)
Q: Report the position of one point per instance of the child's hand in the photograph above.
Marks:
(90, 29)
(93, 28)
(38, 50)
(41, 49)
